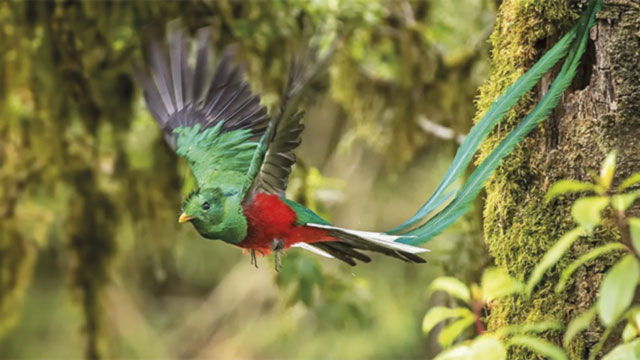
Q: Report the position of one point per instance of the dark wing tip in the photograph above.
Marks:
(178, 94)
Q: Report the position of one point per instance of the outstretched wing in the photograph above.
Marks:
(210, 120)
(282, 138)
(283, 135)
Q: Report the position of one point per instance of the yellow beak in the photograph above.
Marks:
(184, 218)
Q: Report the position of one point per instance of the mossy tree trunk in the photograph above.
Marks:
(599, 113)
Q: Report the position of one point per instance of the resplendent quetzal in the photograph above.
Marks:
(241, 157)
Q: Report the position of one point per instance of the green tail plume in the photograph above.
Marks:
(571, 46)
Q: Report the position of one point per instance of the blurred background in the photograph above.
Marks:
(92, 260)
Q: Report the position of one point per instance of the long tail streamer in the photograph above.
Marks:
(571, 47)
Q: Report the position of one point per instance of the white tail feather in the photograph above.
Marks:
(313, 249)
(386, 240)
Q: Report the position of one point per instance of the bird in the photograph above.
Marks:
(240, 155)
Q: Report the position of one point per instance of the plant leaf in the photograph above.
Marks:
(452, 331)
(608, 169)
(586, 211)
(577, 325)
(552, 256)
(497, 283)
(439, 314)
(629, 333)
(630, 351)
(629, 182)
(487, 347)
(569, 186)
(539, 346)
(455, 353)
(617, 289)
(632, 329)
(634, 316)
(622, 202)
(529, 328)
(634, 229)
(592, 254)
(452, 286)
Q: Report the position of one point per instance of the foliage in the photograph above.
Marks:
(615, 302)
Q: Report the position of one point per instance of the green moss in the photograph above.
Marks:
(519, 226)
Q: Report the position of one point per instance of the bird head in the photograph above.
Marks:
(216, 214)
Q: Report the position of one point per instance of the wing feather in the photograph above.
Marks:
(177, 94)
(212, 122)
(286, 125)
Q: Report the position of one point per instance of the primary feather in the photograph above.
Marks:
(179, 95)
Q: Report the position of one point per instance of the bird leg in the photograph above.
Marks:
(277, 245)
(254, 259)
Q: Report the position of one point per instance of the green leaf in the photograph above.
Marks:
(634, 316)
(552, 256)
(630, 351)
(592, 254)
(539, 346)
(452, 286)
(487, 347)
(569, 186)
(622, 202)
(607, 170)
(577, 325)
(631, 330)
(617, 289)
(586, 211)
(483, 347)
(497, 283)
(457, 352)
(629, 333)
(634, 229)
(534, 328)
(629, 182)
(439, 314)
(452, 331)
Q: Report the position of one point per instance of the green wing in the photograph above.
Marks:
(212, 121)
(217, 157)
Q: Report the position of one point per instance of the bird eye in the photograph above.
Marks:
(206, 206)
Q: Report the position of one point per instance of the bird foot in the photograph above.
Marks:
(277, 245)
(254, 258)
(278, 260)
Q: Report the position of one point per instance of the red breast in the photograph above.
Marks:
(269, 218)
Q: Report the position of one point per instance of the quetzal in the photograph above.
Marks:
(241, 157)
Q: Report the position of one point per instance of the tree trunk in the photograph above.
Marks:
(599, 113)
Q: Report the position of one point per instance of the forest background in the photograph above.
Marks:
(92, 260)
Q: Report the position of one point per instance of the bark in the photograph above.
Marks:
(599, 113)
